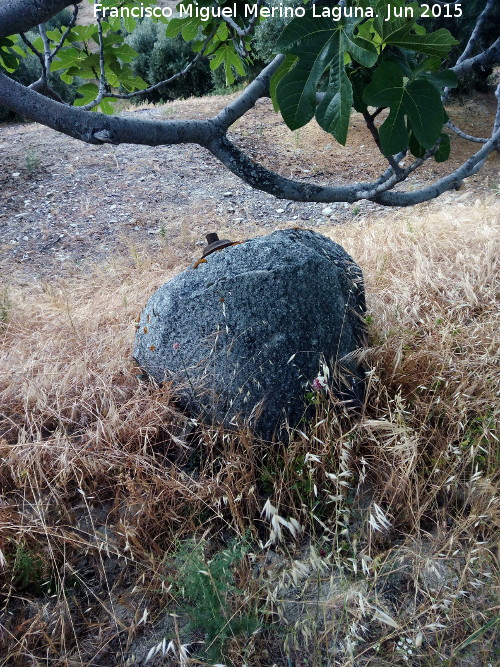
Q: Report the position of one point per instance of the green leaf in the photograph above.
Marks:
(415, 148)
(443, 152)
(8, 61)
(283, 69)
(188, 27)
(359, 80)
(130, 24)
(106, 105)
(440, 80)
(124, 52)
(17, 49)
(89, 92)
(319, 43)
(227, 56)
(114, 23)
(390, 27)
(418, 101)
(436, 43)
(334, 111)
(405, 32)
(54, 35)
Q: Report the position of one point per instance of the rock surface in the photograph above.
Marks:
(244, 335)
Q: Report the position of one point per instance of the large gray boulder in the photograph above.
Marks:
(244, 335)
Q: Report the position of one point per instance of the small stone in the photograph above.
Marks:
(26, 238)
(327, 211)
(230, 209)
(280, 210)
(15, 174)
(227, 194)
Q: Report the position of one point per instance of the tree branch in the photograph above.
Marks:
(463, 135)
(103, 84)
(453, 180)
(171, 79)
(33, 49)
(98, 128)
(376, 138)
(474, 38)
(66, 32)
(258, 88)
(269, 181)
(490, 56)
(18, 16)
(244, 32)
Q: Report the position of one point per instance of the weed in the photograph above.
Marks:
(28, 571)
(5, 306)
(31, 161)
(206, 593)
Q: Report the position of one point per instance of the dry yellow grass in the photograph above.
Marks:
(383, 549)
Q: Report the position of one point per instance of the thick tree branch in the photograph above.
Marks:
(18, 16)
(269, 181)
(496, 125)
(211, 133)
(97, 128)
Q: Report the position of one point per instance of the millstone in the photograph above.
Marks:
(248, 333)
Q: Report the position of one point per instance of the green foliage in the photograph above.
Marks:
(317, 44)
(5, 306)
(348, 50)
(208, 590)
(28, 70)
(414, 102)
(159, 57)
(31, 161)
(382, 57)
(28, 571)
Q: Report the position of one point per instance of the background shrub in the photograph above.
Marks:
(159, 58)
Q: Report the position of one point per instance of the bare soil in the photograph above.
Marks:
(65, 205)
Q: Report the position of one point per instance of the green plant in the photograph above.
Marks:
(28, 571)
(208, 592)
(5, 306)
(31, 161)
(158, 58)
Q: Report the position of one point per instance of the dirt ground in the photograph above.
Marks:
(65, 204)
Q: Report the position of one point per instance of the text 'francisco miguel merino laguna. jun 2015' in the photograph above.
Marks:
(252, 10)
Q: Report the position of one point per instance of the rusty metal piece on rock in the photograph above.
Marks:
(214, 243)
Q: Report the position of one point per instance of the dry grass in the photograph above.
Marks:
(367, 542)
